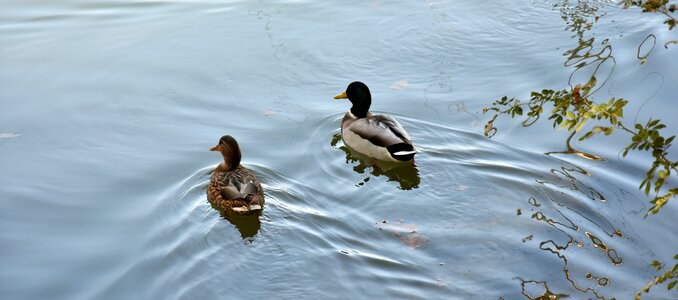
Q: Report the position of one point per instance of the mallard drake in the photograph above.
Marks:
(234, 187)
(377, 136)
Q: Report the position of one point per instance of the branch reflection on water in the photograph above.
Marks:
(407, 175)
(559, 208)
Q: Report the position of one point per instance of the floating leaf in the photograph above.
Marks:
(9, 135)
(399, 85)
(406, 233)
(413, 240)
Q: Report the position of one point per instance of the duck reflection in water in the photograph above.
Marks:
(406, 174)
(247, 224)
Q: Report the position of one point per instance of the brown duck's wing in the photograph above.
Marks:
(380, 130)
(249, 188)
(243, 182)
(230, 193)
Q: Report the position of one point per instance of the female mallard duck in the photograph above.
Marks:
(233, 187)
(377, 136)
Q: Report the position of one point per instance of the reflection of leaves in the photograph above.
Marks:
(542, 290)
(670, 276)
(572, 109)
(656, 6)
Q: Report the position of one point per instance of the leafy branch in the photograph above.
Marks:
(669, 276)
(648, 137)
(656, 6)
(573, 109)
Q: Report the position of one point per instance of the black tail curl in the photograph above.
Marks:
(396, 151)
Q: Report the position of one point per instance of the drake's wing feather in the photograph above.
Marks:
(395, 127)
(380, 130)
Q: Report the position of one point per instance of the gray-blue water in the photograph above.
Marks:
(108, 109)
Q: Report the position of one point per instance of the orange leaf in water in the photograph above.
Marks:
(413, 240)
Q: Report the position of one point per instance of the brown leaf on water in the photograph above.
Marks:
(406, 233)
(9, 135)
(576, 95)
(675, 42)
(413, 240)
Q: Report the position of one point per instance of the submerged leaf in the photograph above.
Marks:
(9, 135)
(399, 85)
(413, 240)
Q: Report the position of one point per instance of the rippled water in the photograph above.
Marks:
(109, 109)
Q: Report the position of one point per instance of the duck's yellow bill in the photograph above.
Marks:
(341, 96)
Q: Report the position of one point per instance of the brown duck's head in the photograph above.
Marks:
(230, 150)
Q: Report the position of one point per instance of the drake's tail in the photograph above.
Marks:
(402, 151)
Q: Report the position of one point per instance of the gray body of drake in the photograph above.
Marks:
(377, 136)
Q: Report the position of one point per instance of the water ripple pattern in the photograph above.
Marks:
(108, 110)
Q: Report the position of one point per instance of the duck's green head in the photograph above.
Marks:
(230, 150)
(359, 95)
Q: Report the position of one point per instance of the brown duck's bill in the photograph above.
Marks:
(215, 148)
(341, 96)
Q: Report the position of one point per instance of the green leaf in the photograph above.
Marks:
(581, 124)
(663, 174)
(570, 115)
(657, 265)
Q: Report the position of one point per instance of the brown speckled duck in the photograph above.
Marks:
(234, 187)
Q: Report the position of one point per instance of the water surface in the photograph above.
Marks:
(109, 109)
